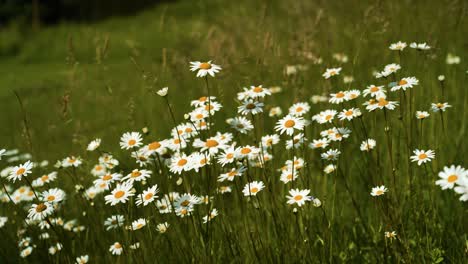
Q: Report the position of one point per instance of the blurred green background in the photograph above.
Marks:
(86, 69)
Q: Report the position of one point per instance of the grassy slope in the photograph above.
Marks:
(253, 42)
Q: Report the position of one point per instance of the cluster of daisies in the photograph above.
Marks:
(195, 149)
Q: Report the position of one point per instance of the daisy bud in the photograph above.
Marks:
(441, 78)
(387, 129)
(163, 91)
(186, 116)
(179, 181)
(79, 188)
(145, 130)
(295, 210)
(316, 202)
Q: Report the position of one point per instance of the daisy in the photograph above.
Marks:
(390, 235)
(269, 140)
(450, 176)
(383, 103)
(331, 154)
(422, 115)
(368, 145)
(163, 91)
(40, 211)
(26, 252)
(116, 248)
(299, 197)
(227, 156)
(439, 107)
(212, 107)
(379, 190)
(211, 216)
(138, 224)
(352, 94)
(331, 72)
(54, 195)
(231, 174)
(19, 171)
(164, 206)
(148, 196)
(212, 144)
(114, 222)
(420, 46)
(82, 259)
(107, 179)
(400, 46)
(319, 143)
(120, 194)
(258, 92)
(180, 163)
(349, 114)
(275, 111)
(202, 101)
(241, 124)
(198, 115)
(130, 140)
(162, 228)
(249, 152)
(93, 145)
(339, 134)
(137, 175)
(204, 68)
(288, 123)
(299, 109)
(422, 156)
(296, 142)
(405, 83)
(337, 98)
(375, 91)
(253, 188)
(329, 168)
(98, 170)
(71, 162)
(323, 117)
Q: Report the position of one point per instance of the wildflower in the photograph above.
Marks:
(252, 188)
(162, 228)
(227, 156)
(138, 224)
(337, 98)
(275, 111)
(163, 92)
(381, 104)
(450, 176)
(368, 145)
(210, 216)
(331, 72)
(390, 235)
(379, 190)
(26, 252)
(275, 89)
(452, 59)
(137, 175)
(299, 109)
(181, 163)
(230, 175)
(82, 259)
(250, 107)
(249, 152)
(419, 46)
(422, 115)
(400, 46)
(405, 83)
(338, 134)
(288, 123)
(422, 156)
(323, 117)
(40, 211)
(299, 197)
(71, 161)
(388, 69)
(319, 143)
(329, 168)
(93, 145)
(204, 68)
(439, 107)
(19, 171)
(331, 154)
(54, 195)
(296, 142)
(349, 114)
(114, 222)
(269, 140)
(352, 94)
(56, 248)
(116, 248)
(316, 202)
(148, 196)
(375, 91)
(258, 92)
(241, 124)
(120, 194)
(130, 140)
(441, 78)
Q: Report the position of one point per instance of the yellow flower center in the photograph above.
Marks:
(51, 198)
(119, 194)
(182, 162)
(402, 82)
(41, 207)
(289, 123)
(45, 178)
(383, 102)
(254, 190)
(298, 197)
(154, 145)
(299, 109)
(230, 156)
(246, 151)
(452, 178)
(20, 171)
(422, 156)
(349, 113)
(374, 89)
(117, 246)
(211, 143)
(258, 89)
(379, 192)
(149, 196)
(135, 174)
(131, 142)
(205, 66)
(107, 177)
(340, 95)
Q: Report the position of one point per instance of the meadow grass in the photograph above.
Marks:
(78, 82)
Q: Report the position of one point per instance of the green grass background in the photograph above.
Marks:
(253, 41)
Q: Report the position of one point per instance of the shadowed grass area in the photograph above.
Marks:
(84, 81)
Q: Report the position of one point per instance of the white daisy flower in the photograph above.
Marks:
(462, 188)
(137, 175)
(323, 117)
(400, 46)
(422, 115)
(180, 163)
(252, 188)
(422, 156)
(319, 143)
(439, 107)
(420, 46)
(241, 124)
(162, 227)
(210, 216)
(116, 249)
(298, 197)
(275, 111)
(269, 140)
(450, 176)
(19, 171)
(130, 140)
(138, 224)
(114, 221)
(331, 154)
(93, 145)
(288, 124)
(299, 109)
(54, 195)
(405, 83)
(40, 211)
(375, 91)
(382, 103)
(368, 145)
(331, 72)
(71, 161)
(349, 114)
(82, 259)
(337, 98)
(379, 190)
(147, 196)
(120, 194)
(204, 68)
(258, 92)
